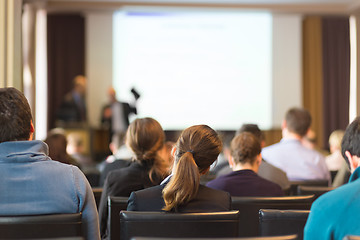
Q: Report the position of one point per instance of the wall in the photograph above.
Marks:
(287, 64)
(10, 44)
(98, 62)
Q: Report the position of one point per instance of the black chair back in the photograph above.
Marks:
(97, 195)
(316, 190)
(294, 185)
(40, 226)
(115, 205)
(282, 222)
(184, 225)
(249, 208)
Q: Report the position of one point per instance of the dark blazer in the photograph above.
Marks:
(127, 110)
(122, 182)
(206, 200)
(117, 164)
(246, 183)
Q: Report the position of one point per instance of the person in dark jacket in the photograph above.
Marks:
(245, 160)
(196, 149)
(145, 138)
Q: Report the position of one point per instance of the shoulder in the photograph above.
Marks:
(149, 199)
(220, 180)
(150, 191)
(205, 191)
(271, 148)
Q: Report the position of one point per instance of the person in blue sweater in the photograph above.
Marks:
(335, 214)
(31, 182)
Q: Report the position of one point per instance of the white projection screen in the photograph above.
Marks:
(195, 67)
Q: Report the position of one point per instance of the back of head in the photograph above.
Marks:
(336, 138)
(80, 84)
(252, 128)
(244, 148)
(196, 149)
(298, 121)
(15, 116)
(351, 140)
(56, 141)
(145, 137)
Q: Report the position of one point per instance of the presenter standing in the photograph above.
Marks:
(115, 114)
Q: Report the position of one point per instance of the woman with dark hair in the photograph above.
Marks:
(145, 138)
(196, 149)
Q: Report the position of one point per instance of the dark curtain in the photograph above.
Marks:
(336, 73)
(66, 57)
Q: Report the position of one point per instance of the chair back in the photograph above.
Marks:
(184, 225)
(40, 226)
(294, 185)
(115, 205)
(316, 190)
(249, 208)
(97, 195)
(282, 222)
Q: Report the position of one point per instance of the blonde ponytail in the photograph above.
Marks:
(184, 183)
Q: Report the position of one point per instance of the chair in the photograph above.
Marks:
(40, 226)
(282, 222)
(287, 237)
(180, 225)
(316, 190)
(249, 208)
(294, 184)
(97, 195)
(115, 205)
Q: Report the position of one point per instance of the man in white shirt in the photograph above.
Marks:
(299, 162)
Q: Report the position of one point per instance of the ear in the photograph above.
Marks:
(283, 124)
(259, 159)
(353, 160)
(32, 130)
(173, 151)
(231, 161)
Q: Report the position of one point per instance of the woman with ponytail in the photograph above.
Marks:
(196, 149)
(145, 138)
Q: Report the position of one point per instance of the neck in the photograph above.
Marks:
(290, 135)
(246, 166)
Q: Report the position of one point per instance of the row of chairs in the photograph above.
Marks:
(248, 219)
(209, 225)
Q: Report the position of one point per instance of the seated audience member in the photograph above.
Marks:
(342, 176)
(76, 149)
(335, 159)
(335, 214)
(266, 170)
(245, 160)
(195, 150)
(309, 141)
(299, 162)
(57, 144)
(120, 158)
(145, 138)
(31, 182)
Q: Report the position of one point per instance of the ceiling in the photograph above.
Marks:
(290, 6)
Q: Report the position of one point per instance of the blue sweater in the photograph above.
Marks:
(335, 214)
(33, 184)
